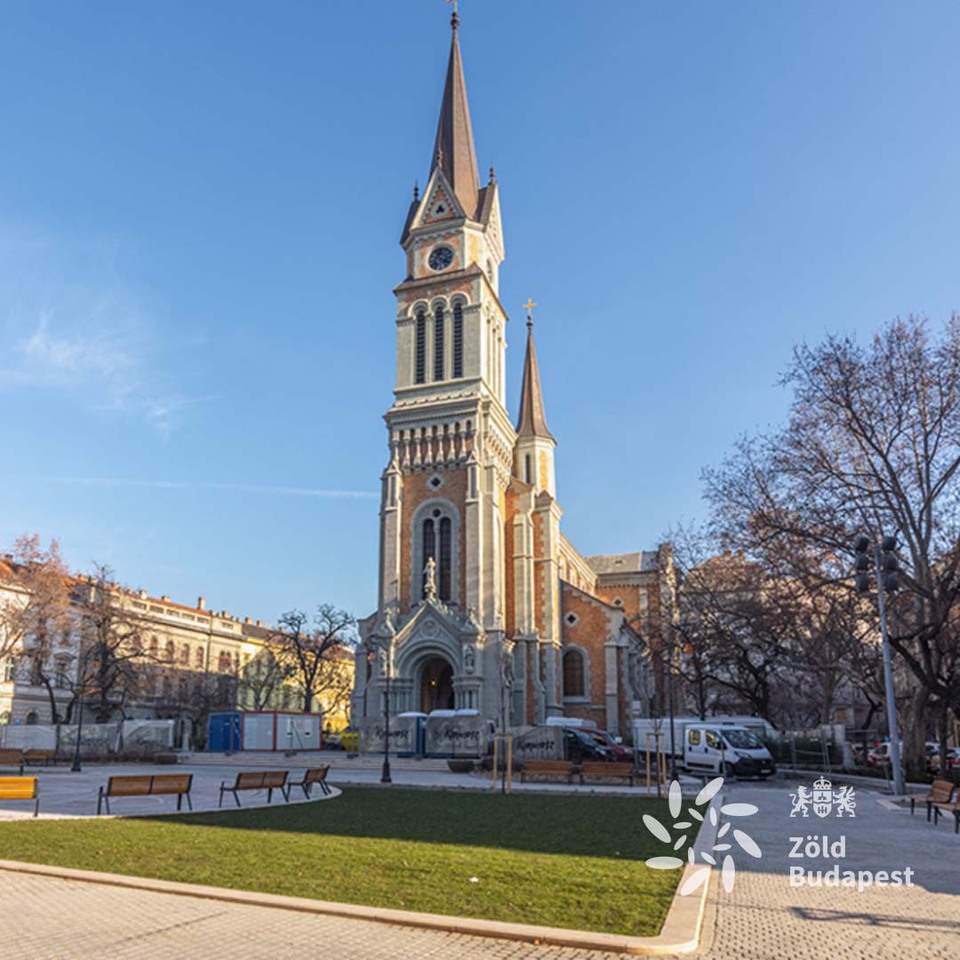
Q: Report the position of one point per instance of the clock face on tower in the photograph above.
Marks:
(440, 258)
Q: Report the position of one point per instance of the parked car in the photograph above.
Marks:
(953, 760)
(582, 745)
(879, 756)
(606, 739)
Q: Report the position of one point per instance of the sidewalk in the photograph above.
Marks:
(763, 918)
(64, 793)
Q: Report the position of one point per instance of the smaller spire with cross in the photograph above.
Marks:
(455, 17)
(528, 306)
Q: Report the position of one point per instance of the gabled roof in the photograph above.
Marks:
(643, 562)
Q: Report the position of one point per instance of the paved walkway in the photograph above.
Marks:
(64, 793)
(763, 918)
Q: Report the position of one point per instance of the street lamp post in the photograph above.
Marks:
(885, 570)
(373, 651)
(385, 774)
(75, 768)
(670, 708)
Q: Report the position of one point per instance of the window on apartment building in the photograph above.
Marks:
(573, 685)
(198, 658)
(185, 655)
(61, 668)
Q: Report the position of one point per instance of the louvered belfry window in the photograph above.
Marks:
(438, 322)
(457, 341)
(421, 348)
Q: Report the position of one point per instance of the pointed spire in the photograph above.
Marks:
(532, 422)
(453, 151)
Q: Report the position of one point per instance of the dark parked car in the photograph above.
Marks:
(582, 745)
(619, 751)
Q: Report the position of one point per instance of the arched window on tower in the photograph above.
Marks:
(443, 565)
(438, 322)
(438, 545)
(573, 685)
(421, 347)
(457, 341)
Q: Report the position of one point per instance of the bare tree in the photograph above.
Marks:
(872, 446)
(305, 647)
(35, 617)
(731, 628)
(112, 654)
(261, 677)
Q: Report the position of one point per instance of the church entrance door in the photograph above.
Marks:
(436, 685)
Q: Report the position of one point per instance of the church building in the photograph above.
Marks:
(482, 601)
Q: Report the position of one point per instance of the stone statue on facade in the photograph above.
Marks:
(430, 579)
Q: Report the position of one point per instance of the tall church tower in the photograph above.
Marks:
(482, 605)
(451, 441)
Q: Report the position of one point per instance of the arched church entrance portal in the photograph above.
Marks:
(436, 685)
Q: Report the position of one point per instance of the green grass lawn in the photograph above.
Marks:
(566, 861)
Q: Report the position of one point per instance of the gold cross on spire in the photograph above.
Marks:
(529, 305)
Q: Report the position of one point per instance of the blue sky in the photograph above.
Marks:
(200, 207)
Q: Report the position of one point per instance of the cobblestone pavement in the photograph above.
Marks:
(53, 919)
(763, 918)
(64, 793)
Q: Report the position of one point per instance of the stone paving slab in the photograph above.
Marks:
(54, 919)
(764, 918)
(65, 793)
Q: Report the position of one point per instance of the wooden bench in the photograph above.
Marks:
(948, 806)
(618, 770)
(315, 775)
(547, 768)
(11, 758)
(940, 792)
(147, 785)
(39, 758)
(21, 788)
(268, 780)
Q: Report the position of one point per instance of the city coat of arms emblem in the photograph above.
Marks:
(824, 800)
(822, 797)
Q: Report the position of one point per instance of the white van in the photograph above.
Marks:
(727, 750)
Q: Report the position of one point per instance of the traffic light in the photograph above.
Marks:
(889, 571)
(862, 564)
(889, 565)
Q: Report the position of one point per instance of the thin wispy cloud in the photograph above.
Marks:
(74, 326)
(222, 487)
